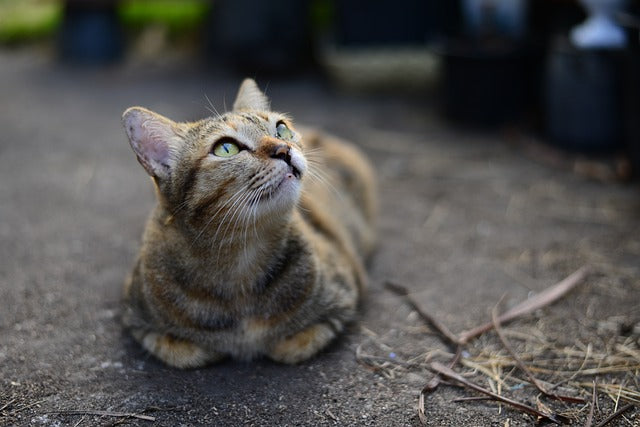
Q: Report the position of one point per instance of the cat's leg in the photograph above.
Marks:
(304, 344)
(169, 349)
(174, 351)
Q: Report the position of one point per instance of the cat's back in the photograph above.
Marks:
(339, 195)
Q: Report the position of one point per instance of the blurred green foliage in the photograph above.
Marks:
(24, 20)
(27, 20)
(176, 15)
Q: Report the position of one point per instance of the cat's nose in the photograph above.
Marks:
(283, 152)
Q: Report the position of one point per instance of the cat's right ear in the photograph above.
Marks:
(250, 97)
(154, 139)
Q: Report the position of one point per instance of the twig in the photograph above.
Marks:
(544, 298)
(449, 373)
(471, 399)
(435, 381)
(6, 405)
(30, 405)
(106, 414)
(422, 416)
(333, 417)
(79, 421)
(440, 327)
(615, 415)
(496, 325)
(432, 384)
(593, 406)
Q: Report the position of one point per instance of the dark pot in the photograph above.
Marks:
(259, 35)
(632, 109)
(384, 22)
(90, 32)
(486, 84)
(583, 103)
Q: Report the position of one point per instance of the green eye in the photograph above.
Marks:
(226, 147)
(283, 132)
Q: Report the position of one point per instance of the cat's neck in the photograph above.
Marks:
(235, 256)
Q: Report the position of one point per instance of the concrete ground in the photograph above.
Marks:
(465, 218)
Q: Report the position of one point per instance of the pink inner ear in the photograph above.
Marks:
(149, 139)
(156, 150)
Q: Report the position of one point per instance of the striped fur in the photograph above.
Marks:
(260, 253)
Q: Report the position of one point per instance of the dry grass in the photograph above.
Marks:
(529, 362)
(569, 371)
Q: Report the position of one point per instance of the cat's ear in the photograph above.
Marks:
(250, 97)
(154, 139)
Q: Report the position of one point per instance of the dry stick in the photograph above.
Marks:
(451, 374)
(432, 384)
(496, 324)
(30, 405)
(422, 415)
(106, 414)
(444, 332)
(615, 415)
(6, 405)
(471, 399)
(593, 406)
(544, 298)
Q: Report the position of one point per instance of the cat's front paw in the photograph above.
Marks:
(176, 352)
(302, 345)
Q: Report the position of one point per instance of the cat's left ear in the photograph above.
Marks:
(154, 139)
(250, 97)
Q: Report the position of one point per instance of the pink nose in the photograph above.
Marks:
(283, 152)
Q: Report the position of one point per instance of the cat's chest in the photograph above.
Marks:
(256, 329)
(250, 337)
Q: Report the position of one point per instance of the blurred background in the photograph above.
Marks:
(565, 72)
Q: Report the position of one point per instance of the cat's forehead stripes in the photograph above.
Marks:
(210, 126)
(246, 127)
(234, 119)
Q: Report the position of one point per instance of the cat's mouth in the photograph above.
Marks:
(292, 174)
(296, 172)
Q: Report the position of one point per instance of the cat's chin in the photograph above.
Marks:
(284, 195)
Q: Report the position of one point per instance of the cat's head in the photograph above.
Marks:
(247, 162)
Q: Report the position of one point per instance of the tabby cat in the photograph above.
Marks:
(257, 241)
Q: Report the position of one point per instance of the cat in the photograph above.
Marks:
(257, 242)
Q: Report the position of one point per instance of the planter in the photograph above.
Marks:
(269, 36)
(90, 32)
(583, 102)
(632, 110)
(366, 23)
(486, 84)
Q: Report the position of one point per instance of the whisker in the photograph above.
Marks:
(321, 177)
(232, 199)
(255, 210)
(211, 108)
(239, 218)
(311, 152)
(302, 208)
(246, 217)
(234, 217)
(180, 207)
